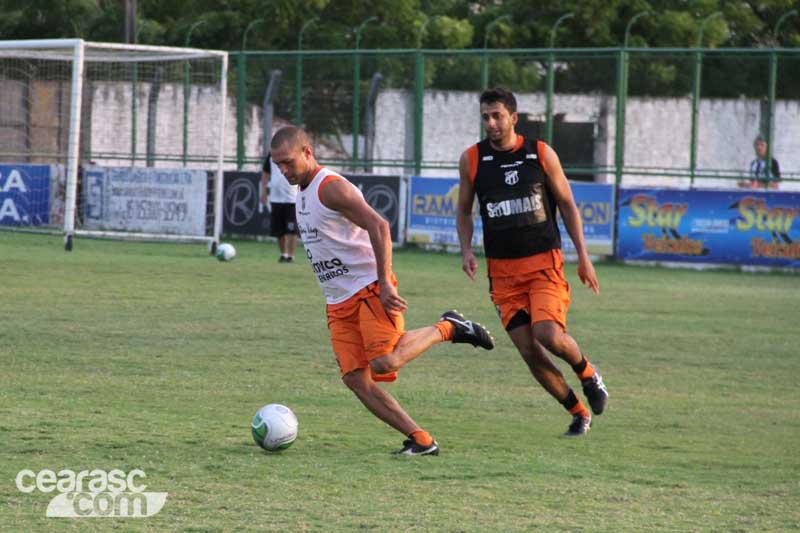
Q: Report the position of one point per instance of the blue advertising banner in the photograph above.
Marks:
(595, 203)
(24, 194)
(705, 226)
(432, 214)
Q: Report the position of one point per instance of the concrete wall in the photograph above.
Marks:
(657, 132)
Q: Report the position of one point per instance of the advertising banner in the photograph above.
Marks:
(148, 200)
(432, 214)
(241, 197)
(595, 203)
(709, 226)
(24, 194)
(382, 193)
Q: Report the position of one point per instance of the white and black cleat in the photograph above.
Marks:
(467, 331)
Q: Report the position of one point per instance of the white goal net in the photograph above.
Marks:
(112, 140)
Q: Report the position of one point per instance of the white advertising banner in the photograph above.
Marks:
(148, 200)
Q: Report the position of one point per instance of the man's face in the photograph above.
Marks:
(761, 148)
(497, 121)
(294, 161)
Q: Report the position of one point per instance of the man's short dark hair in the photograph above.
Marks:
(499, 94)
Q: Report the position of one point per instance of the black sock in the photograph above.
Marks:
(580, 367)
(570, 401)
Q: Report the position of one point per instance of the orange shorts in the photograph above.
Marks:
(362, 330)
(543, 295)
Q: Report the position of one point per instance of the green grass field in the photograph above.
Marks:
(156, 356)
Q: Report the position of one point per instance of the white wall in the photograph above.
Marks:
(657, 131)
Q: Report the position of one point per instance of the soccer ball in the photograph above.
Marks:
(274, 427)
(226, 252)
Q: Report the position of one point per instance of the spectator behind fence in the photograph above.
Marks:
(760, 176)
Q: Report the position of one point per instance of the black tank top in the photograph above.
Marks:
(517, 208)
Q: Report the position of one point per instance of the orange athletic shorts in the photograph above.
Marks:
(362, 330)
(544, 293)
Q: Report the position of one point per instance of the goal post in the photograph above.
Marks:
(116, 140)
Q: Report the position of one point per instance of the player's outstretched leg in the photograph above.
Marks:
(467, 331)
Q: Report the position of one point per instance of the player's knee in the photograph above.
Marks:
(549, 336)
(383, 365)
(356, 380)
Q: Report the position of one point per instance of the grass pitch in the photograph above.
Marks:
(156, 356)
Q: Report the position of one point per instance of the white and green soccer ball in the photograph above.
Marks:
(226, 252)
(274, 427)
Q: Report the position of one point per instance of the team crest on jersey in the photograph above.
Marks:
(512, 177)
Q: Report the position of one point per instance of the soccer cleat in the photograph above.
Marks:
(468, 331)
(410, 447)
(579, 427)
(596, 392)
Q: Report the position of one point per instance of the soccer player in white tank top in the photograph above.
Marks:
(350, 250)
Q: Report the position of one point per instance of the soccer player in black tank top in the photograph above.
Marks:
(520, 184)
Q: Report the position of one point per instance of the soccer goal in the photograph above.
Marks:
(113, 140)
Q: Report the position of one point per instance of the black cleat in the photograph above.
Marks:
(596, 392)
(468, 331)
(579, 427)
(410, 447)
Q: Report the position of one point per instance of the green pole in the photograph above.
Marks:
(551, 82)
(696, 84)
(485, 59)
(619, 143)
(241, 96)
(134, 84)
(419, 112)
(696, 88)
(773, 80)
(241, 101)
(298, 75)
(357, 88)
(186, 88)
(419, 98)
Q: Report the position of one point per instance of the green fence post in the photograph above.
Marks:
(298, 76)
(485, 59)
(619, 142)
(419, 97)
(551, 82)
(773, 80)
(241, 95)
(134, 84)
(186, 87)
(419, 111)
(696, 87)
(357, 88)
(241, 102)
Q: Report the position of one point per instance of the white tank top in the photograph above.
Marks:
(340, 252)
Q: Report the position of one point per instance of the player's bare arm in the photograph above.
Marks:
(340, 196)
(464, 223)
(562, 192)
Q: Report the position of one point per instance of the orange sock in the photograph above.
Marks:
(584, 369)
(446, 329)
(579, 409)
(575, 407)
(422, 437)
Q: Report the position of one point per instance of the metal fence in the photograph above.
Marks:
(685, 117)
